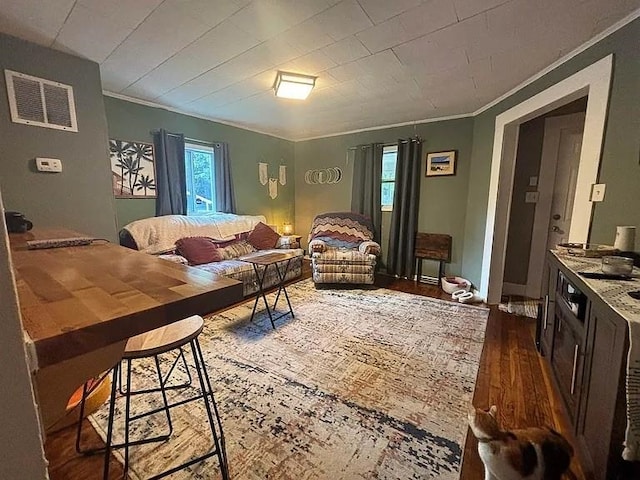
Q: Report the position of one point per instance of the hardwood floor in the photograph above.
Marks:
(511, 376)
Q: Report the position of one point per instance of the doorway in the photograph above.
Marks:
(562, 144)
(594, 82)
(547, 164)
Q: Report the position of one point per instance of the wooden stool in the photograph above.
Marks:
(151, 344)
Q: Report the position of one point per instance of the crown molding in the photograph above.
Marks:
(148, 103)
(391, 125)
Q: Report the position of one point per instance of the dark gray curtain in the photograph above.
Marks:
(404, 218)
(225, 199)
(171, 184)
(367, 183)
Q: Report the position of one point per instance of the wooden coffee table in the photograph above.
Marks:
(265, 261)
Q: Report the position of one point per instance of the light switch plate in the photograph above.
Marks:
(533, 181)
(597, 192)
(52, 165)
(531, 197)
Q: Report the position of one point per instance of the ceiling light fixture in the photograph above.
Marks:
(293, 85)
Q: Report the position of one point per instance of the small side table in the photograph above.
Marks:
(266, 260)
(432, 246)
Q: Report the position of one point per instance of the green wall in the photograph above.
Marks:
(80, 196)
(131, 121)
(619, 168)
(442, 199)
(522, 214)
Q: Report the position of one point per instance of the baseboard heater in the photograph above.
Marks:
(429, 280)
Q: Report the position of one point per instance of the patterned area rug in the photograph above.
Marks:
(520, 306)
(360, 384)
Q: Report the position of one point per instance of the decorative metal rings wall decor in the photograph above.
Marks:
(325, 176)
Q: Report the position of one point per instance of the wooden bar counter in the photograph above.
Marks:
(79, 306)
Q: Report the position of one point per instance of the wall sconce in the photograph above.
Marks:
(287, 229)
(293, 85)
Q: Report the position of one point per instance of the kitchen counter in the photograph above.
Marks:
(613, 292)
(596, 362)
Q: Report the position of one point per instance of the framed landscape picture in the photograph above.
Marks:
(133, 171)
(441, 163)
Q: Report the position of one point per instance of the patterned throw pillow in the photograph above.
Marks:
(236, 249)
(263, 237)
(198, 250)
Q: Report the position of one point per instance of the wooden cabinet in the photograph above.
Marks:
(600, 426)
(587, 354)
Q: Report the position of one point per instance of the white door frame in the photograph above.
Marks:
(546, 185)
(593, 81)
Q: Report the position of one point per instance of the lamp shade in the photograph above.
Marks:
(293, 85)
(287, 229)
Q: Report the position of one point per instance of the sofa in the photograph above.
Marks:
(229, 234)
(343, 249)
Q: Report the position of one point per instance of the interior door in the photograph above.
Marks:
(558, 174)
(565, 185)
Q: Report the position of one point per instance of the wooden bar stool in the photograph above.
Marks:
(152, 344)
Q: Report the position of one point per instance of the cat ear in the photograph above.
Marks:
(493, 411)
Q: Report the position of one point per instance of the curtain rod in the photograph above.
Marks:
(390, 144)
(186, 139)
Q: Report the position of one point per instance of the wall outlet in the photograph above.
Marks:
(48, 165)
(531, 197)
(597, 192)
(533, 181)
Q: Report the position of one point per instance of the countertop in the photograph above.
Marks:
(77, 299)
(613, 292)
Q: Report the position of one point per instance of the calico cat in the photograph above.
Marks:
(531, 453)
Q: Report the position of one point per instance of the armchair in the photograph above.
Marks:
(342, 248)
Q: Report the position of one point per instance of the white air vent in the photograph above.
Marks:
(39, 102)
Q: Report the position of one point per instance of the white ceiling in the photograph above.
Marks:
(378, 62)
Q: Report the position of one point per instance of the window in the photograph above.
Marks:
(389, 157)
(200, 173)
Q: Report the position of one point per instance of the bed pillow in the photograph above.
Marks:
(198, 250)
(263, 237)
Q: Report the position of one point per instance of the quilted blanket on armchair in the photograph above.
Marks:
(341, 229)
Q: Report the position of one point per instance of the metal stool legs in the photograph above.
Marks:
(206, 394)
(117, 374)
(166, 377)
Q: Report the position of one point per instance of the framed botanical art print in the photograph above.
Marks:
(132, 169)
(441, 163)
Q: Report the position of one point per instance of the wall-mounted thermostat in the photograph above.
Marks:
(48, 165)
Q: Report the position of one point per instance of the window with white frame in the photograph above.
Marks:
(389, 158)
(200, 173)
